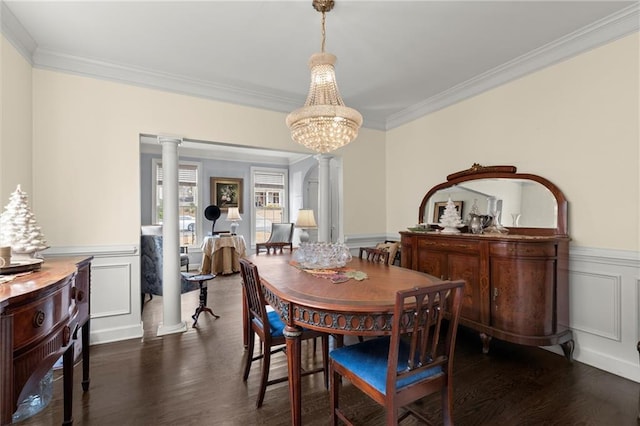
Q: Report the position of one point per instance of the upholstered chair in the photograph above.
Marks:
(151, 264)
(281, 237)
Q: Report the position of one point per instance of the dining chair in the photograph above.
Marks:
(376, 255)
(373, 254)
(269, 328)
(414, 361)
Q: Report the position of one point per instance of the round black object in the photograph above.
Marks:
(212, 212)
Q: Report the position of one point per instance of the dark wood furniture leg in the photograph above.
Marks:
(85, 356)
(245, 321)
(567, 348)
(486, 340)
(67, 385)
(294, 350)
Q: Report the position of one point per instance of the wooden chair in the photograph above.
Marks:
(269, 328)
(373, 254)
(281, 237)
(415, 361)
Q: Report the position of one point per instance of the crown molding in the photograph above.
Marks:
(16, 33)
(606, 30)
(615, 26)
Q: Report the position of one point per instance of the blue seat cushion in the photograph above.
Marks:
(276, 326)
(368, 360)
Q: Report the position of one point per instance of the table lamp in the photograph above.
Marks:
(305, 221)
(233, 216)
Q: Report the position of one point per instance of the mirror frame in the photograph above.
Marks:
(478, 171)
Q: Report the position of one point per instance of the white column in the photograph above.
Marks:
(171, 314)
(324, 198)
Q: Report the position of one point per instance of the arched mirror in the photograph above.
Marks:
(527, 204)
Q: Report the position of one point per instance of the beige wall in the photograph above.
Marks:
(92, 127)
(575, 123)
(15, 122)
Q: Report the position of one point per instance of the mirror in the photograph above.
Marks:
(521, 203)
(524, 201)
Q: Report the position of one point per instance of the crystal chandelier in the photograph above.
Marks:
(324, 123)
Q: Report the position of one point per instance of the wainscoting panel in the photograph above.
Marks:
(591, 290)
(115, 290)
(604, 305)
(106, 299)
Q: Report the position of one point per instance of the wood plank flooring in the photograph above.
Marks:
(195, 378)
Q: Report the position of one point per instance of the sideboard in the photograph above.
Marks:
(517, 280)
(40, 316)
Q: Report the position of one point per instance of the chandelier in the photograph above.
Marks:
(324, 123)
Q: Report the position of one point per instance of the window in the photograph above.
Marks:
(187, 200)
(269, 201)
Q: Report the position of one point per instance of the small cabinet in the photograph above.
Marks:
(516, 280)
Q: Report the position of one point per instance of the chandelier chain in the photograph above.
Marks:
(324, 32)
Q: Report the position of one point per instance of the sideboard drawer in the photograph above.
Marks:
(523, 250)
(34, 320)
(458, 245)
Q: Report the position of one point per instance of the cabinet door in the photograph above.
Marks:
(467, 267)
(432, 263)
(522, 295)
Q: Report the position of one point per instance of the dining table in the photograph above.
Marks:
(357, 299)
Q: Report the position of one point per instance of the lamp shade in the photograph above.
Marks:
(233, 214)
(306, 219)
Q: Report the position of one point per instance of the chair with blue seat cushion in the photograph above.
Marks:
(269, 328)
(414, 361)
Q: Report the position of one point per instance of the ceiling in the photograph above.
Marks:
(397, 60)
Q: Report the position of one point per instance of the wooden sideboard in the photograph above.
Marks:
(516, 277)
(40, 315)
(516, 286)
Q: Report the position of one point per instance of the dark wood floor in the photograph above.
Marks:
(194, 378)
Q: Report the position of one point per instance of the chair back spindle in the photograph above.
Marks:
(375, 255)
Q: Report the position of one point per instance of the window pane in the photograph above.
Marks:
(187, 201)
(269, 196)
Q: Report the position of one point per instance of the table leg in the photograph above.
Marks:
(67, 385)
(292, 334)
(85, 355)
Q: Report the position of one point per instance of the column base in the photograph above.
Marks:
(163, 330)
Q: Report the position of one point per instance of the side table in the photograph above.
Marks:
(202, 307)
(221, 255)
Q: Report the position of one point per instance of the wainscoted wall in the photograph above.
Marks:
(604, 288)
(605, 299)
(115, 290)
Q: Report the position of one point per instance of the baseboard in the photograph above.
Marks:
(116, 334)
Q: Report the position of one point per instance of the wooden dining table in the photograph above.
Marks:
(311, 300)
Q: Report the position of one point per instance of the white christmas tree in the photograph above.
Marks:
(450, 219)
(18, 226)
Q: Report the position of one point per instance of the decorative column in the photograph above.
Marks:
(324, 198)
(171, 314)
